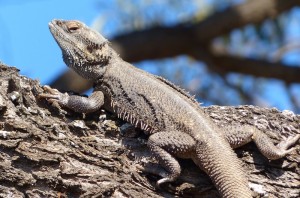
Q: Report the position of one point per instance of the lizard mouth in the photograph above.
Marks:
(54, 23)
(60, 28)
(55, 28)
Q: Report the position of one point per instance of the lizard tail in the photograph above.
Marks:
(224, 169)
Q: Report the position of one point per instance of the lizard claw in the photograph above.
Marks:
(158, 170)
(287, 142)
(53, 95)
(50, 90)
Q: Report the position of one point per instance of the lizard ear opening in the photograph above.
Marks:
(89, 49)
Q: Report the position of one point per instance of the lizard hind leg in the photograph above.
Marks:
(271, 151)
(165, 146)
(238, 136)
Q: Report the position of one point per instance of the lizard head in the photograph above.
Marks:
(84, 50)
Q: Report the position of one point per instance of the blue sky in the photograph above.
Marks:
(26, 41)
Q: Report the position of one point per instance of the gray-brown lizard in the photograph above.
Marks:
(174, 121)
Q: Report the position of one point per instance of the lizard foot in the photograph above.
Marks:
(156, 169)
(238, 136)
(280, 150)
(287, 142)
(53, 95)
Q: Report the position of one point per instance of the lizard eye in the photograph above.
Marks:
(73, 26)
(72, 29)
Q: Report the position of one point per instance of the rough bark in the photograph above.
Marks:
(50, 152)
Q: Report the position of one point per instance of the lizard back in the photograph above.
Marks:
(150, 102)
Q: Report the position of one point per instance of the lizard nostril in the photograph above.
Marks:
(58, 22)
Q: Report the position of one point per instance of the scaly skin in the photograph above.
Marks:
(176, 124)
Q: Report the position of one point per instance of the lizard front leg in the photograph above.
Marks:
(240, 135)
(76, 103)
(165, 146)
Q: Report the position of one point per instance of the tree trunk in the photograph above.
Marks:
(50, 152)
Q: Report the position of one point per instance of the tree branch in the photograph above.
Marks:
(258, 68)
(162, 42)
(223, 63)
(49, 152)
